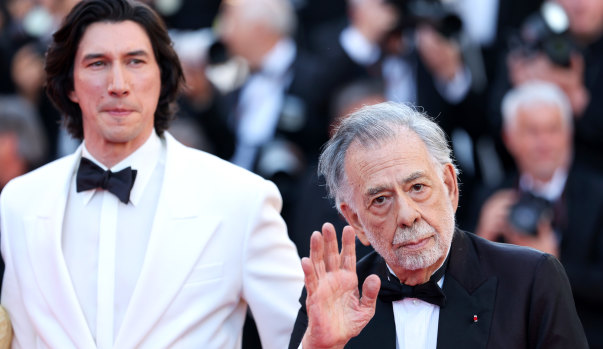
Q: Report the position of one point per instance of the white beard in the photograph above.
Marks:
(420, 259)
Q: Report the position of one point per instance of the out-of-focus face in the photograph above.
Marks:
(403, 204)
(237, 32)
(586, 18)
(117, 85)
(539, 140)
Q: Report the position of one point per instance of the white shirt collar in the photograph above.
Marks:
(551, 190)
(143, 160)
(279, 59)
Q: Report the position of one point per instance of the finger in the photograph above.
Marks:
(370, 290)
(348, 249)
(317, 253)
(331, 249)
(310, 278)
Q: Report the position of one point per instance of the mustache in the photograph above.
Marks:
(417, 231)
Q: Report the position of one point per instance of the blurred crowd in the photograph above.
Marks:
(513, 83)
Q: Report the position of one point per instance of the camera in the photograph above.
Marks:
(431, 12)
(527, 212)
(545, 31)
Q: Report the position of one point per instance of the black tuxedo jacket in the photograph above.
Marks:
(521, 296)
(581, 249)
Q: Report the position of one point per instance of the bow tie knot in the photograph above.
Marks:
(91, 176)
(393, 290)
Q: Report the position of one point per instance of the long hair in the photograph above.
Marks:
(61, 53)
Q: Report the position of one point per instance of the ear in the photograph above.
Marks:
(451, 183)
(507, 139)
(352, 218)
(73, 97)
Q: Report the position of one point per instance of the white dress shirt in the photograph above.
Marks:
(416, 323)
(551, 190)
(104, 240)
(261, 101)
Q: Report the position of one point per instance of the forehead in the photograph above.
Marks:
(539, 114)
(392, 160)
(114, 37)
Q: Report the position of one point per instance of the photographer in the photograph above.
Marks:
(550, 204)
(579, 74)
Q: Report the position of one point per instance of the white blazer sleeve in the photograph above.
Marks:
(273, 277)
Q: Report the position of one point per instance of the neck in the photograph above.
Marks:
(110, 154)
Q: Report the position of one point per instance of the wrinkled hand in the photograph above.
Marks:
(493, 218)
(539, 67)
(441, 56)
(545, 239)
(336, 313)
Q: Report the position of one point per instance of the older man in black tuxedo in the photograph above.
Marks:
(427, 284)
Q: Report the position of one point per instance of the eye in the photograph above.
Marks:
(379, 200)
(96, 64)
(135, 61)
(417, 187)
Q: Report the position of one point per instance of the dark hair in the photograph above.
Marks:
(61, 55)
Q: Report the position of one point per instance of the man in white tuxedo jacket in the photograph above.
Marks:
(136, 241)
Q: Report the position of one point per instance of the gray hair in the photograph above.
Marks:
(533, 93)
(18, 116)
(373, 125)
(276, 14)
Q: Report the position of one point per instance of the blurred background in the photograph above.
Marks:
(268, 80)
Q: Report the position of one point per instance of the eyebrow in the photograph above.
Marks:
(412, 177)
(136, 53)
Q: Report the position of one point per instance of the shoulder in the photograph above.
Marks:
(29, 187)
(476, 259)
(208, 172)
(493, 253)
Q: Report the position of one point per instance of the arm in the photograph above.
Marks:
(553, 321)
(335, 310)
(272, 279)
(11, 299)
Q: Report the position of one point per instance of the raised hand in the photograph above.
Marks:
(336, 313)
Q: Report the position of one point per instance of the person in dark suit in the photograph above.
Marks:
(279, 114)
(545, 205)
(575, 66)
(427, 285)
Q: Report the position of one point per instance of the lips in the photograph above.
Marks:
(416, 244)
(118, 111)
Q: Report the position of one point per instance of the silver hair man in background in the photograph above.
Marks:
(550, 203)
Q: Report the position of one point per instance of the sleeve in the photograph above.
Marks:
(273, 277)
(11, 298)
(554, 322)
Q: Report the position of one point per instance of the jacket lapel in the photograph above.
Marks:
(177, 239)
(469, 293)
(43, 233)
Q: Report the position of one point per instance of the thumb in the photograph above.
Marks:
(370, 290)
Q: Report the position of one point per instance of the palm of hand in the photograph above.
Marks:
(336, 312)
(337, 298)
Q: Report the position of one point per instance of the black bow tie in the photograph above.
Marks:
(392, 290)
(91, 176)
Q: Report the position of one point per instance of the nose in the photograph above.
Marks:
(118, 82)
(407, 211)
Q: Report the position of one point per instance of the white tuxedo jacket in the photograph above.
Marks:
(218, 244)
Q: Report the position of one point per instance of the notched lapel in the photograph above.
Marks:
(43, 231)
(466, 319)
(183, 225)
